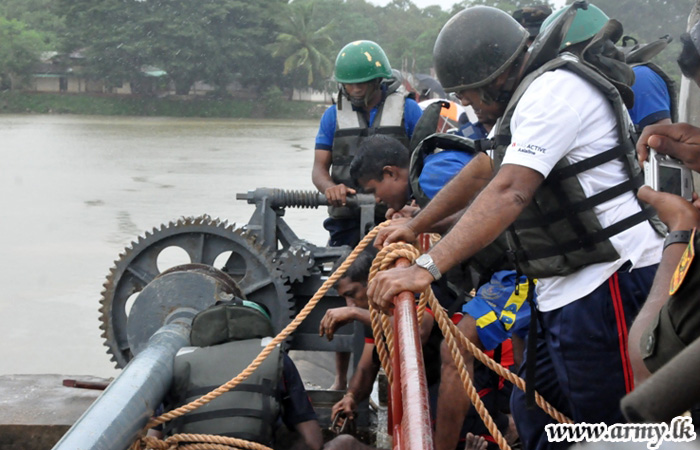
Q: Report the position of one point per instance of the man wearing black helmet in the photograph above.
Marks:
(564, 191)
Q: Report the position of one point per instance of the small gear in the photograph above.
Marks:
(252, 267)
(296, 263)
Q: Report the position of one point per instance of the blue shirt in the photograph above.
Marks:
(326, 131)
(440, 168)
(652, 101)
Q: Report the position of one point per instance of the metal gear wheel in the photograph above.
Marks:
(296, 263)
(251, 266)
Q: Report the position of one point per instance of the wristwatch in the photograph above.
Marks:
(677, 237)
(426, 262)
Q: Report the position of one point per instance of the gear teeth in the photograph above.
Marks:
(244, 238)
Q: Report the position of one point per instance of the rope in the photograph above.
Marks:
(389, 255)
(289, 329)
(197, 442)
(454, 338)
(383, 332)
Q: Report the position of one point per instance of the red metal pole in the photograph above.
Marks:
(409, 386)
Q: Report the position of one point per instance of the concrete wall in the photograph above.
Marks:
(46, 84)
(36, 410)
(310, 95)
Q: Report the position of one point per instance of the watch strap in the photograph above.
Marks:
(676, 237)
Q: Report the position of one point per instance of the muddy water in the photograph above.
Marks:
(75, 190)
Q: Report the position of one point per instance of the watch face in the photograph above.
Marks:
(423, 260)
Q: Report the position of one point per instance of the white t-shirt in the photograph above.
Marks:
(562, 115)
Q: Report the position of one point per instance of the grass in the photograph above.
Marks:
(50, 103)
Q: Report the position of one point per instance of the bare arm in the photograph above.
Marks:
(321, 173)
(360, 383)
(456, 194)
(677, 214)
(451, 199)
(496, 207)
(444, 225)
(321, 177)
(337, 317)
(492, 212)
(310, 431)
(426, 326)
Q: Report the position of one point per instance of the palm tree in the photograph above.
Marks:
(305, 50)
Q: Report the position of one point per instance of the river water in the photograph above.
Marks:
(75, 190)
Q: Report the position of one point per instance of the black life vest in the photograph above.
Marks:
(558, 232)
(352, 128)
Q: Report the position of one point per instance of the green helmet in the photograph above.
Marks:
(475, 46)
(361, 61)
(587, 23)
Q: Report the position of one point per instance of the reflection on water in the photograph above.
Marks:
(76, 190)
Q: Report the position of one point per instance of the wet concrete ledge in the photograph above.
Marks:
(36, 410)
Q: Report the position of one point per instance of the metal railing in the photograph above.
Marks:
(409, 406)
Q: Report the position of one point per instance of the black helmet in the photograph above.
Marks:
(475, 46)
(531, 17)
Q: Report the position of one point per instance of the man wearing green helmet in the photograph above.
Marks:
(563, 191)
(368, 103)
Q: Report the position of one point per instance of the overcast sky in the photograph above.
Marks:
(446, 4)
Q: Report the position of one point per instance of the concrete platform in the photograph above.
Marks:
(36, 410)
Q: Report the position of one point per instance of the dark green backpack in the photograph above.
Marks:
(233, 320)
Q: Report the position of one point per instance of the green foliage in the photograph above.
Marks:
(288, 43)
(111, 35)
(45, 103)
(19, 51)
(305, 50)
(37, 15)
(218, 41)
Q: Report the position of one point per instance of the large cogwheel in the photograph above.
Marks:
(203, 239)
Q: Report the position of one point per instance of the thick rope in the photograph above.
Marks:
(289, 329)
(452, 334)
(403, 250)
(199, 442)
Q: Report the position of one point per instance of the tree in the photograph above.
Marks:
(211, 40)
(112, 37)
(37, 15)
(305, 50)
(217, 41)
(19, 51)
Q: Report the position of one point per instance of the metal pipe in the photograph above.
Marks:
(409, 376)
(120, 413)
(281, 198)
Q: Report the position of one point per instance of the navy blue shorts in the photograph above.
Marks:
(343, 231)
(585, 345)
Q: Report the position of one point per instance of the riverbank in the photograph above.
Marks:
(271, 107)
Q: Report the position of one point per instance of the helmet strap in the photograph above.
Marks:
(364, 101)
(506, 92)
